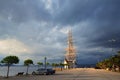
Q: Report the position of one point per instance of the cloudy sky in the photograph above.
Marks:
(38, 28)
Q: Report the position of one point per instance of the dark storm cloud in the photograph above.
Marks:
(94, 24)
(23, 10)
(103, 18)
(15, 12)
(71, 12)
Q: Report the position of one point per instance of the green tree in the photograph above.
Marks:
(118, 53)
(107, 63)
(40, 64)
(112, 63)
(61, 65)
(55, 65)
(9, 60)
(27, 63)
(47, 63)
(116, 61)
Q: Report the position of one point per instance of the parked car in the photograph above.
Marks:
(51, 71)
(43, 71)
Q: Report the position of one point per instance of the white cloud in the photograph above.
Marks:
(13, 47)
(65, 29)
(48, 4)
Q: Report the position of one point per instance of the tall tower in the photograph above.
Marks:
(70, 56)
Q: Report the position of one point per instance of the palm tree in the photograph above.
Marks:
(9, 60)
(40, 64)
(55, 65)
(27, 63)
(61, 65)
(47, 63)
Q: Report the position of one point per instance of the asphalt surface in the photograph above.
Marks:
(73, 74)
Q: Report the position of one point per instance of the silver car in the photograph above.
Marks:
(43, 71)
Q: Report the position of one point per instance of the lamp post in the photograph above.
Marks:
(45, 62)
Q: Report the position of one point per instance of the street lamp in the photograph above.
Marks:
(45, 62)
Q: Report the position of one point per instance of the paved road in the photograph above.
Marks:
(74, 74)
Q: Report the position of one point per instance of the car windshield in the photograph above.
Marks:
(49, 69)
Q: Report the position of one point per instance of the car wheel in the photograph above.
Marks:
(44, 73)
(47, 73)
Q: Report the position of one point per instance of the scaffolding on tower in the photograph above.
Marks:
(70, 56)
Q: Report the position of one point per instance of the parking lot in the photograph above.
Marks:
(73, 74)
